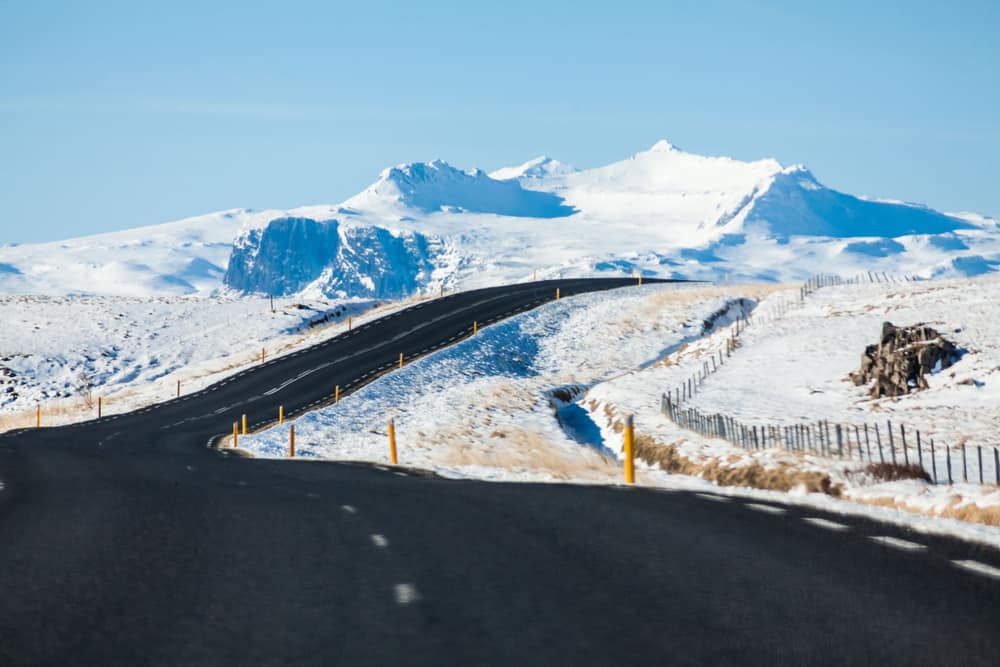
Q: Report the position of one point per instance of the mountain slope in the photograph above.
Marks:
(662, 211)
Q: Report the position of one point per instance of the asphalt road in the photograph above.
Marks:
(130, 542)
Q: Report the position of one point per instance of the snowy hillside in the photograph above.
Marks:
(178, 258)
(663, 212)
(541, 396)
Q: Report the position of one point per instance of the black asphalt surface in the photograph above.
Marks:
(129, 541)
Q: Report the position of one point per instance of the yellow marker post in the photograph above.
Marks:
(236, 435)
(336, 394)
(263, 355)
(349, 322)
(244, 424)
(640, 278)
(629, 450)
(38, 416)
(98, 407)
(178, 389)
(281, 414)
(442, 289)
(400, 359)
(557, 294)
(291, 441)
(534, 276)
(392, 441)
(475, 327)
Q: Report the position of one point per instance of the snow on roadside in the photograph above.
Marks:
(64, 352)
(482, 408)
(807, 354)
(783, 365)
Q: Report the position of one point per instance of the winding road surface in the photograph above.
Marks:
(129, 541)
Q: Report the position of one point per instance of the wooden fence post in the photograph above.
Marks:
(920, 452)
(934, 462)
(947, 453)
(965, 465)
(892, 444)
(902, 436)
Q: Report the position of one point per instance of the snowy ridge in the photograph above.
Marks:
(663, 212)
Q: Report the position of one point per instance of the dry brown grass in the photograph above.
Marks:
(989, 516)
(722, 472)
(892, 472)
(519, 449)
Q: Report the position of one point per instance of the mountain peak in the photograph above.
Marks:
(539, 167)
(663, 146)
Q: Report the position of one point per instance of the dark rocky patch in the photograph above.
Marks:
(903, 356)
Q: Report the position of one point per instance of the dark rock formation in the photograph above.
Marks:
(902, 357)
(289, 254)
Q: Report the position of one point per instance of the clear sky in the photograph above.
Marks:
(120, 114)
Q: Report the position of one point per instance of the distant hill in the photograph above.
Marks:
(662, 212)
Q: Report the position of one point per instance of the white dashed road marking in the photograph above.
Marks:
(350, 509)
(406, 594)
(770, 509)
(708, 496)
(823, 523)
(380, 541)
(978, 568)
(897, 543)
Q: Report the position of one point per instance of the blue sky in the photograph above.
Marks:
(120, 114)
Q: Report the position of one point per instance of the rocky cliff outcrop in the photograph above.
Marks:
(903, 356)
(290, 254)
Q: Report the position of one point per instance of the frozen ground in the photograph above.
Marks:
(65, 352)
(484, 407)
(541, 398)
(792, 367)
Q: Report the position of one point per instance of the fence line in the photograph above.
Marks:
(846, 441)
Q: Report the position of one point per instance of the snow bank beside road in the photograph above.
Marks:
(482, 407)
(793, 369)
(64, 352)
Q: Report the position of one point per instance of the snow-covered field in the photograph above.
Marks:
(793, 368)
(65, 352)
(541, 397)
(484, 407)
(806, 356)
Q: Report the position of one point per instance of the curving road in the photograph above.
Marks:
(128, 541)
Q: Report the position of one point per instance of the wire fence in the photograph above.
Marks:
(891, 444)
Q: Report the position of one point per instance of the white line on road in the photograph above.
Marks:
(897, 543)
(708, 496)
(350, 509)
(978, 568)
(823, 523)
(770, 509)
(406, 593)
(380, 541)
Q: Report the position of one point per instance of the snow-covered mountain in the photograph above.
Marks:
(663, 212)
